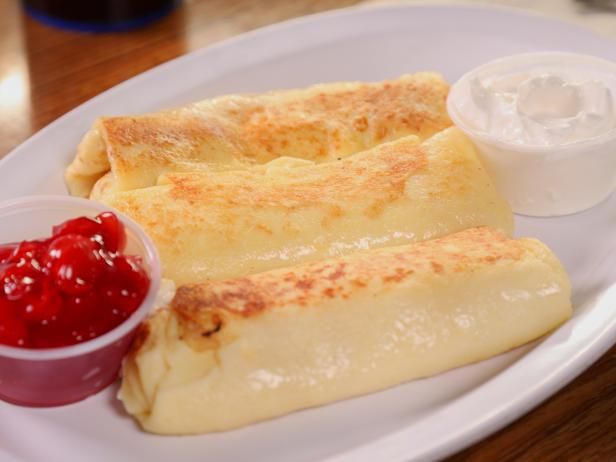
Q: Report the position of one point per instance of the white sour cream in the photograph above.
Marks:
(545, 127)
(542, 108)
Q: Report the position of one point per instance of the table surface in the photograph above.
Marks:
(46, 72)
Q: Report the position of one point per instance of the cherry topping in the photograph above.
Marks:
(18, 281)
(112, 231)
(6, 251)
(125, 284)
(73, 262)
(70, 288)
(29, 253)
(84, 226)
(42, 306)
(12, 330)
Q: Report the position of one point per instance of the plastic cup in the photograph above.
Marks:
(57, 376)
(548, 180)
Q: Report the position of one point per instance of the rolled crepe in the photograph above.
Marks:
(229, 353)
(319, 123)
(227, 224)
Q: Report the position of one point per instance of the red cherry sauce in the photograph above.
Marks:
(71, 287)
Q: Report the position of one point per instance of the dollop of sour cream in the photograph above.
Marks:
(544, 125)
(540, 108)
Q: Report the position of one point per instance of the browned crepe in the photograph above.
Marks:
(319, 123)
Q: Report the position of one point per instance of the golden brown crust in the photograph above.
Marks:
(410, 104)
(319, 123)
(141, 337)
(202, 307)
(222, 224)
(394, 162)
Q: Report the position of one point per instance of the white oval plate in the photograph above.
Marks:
(425, 419)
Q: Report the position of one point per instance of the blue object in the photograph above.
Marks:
(91, 26)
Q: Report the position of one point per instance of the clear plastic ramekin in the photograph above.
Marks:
(57, 376)
(539, 180)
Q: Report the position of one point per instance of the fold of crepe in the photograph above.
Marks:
(227, 224)
(233, 352)
(319, 123)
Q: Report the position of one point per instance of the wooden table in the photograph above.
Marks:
(46, 72)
